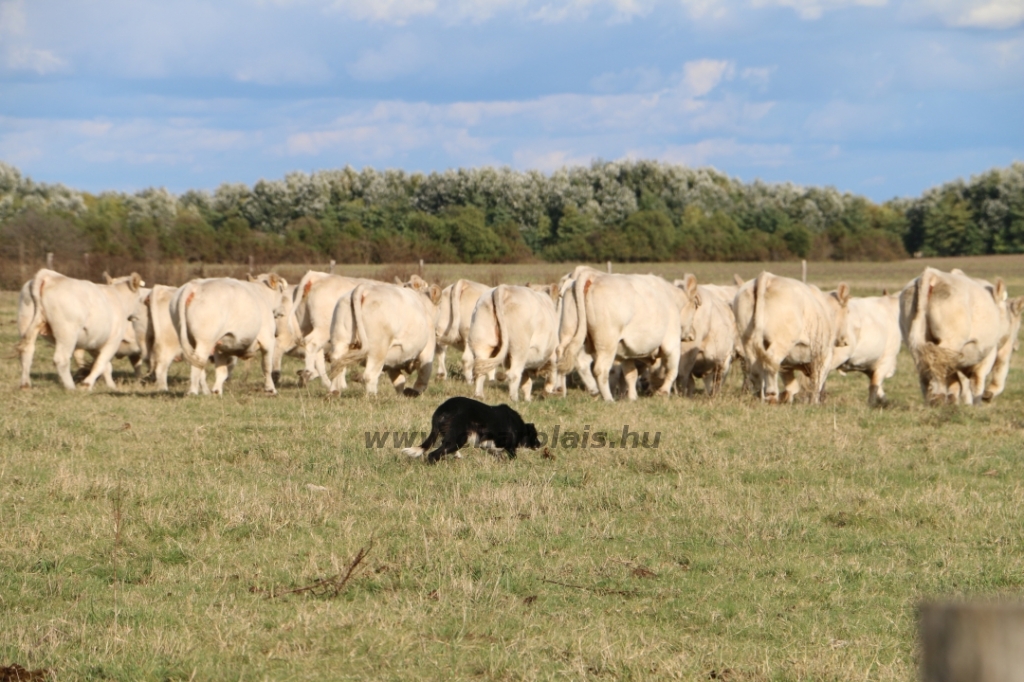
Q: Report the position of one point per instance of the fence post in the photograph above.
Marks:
(421, 267)
(803, 270)
(609, 267)
(49, 260)
(980, 642)
(331, 269)
(252, 263)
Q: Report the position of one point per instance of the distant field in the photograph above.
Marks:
(143, 533)
(865, 278)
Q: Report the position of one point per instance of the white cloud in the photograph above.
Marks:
(548, 160)
(628, 80)
(990, 14)
(722, 150)
(24, 58)
(389, 11)
(275, 67)
(840, 119)
(133, 141)
(402, 55)
(18, 53)
(547, 131)
(814, 9)
(12, 18)
(702, 76)
(758, 76)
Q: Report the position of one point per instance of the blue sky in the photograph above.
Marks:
(877, 97)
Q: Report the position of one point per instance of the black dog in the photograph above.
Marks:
(462, 420)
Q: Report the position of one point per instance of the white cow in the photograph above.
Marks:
(632, 318)
(873, 340)
(75, 314)
(515, 327)
(227, 318)
(455, 313)
(134, 344)
(164, 343)
(709, 351)
(786, 325)
(955, 325)
(316, 297)
(389, 327)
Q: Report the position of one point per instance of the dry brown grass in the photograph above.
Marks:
(141, 531)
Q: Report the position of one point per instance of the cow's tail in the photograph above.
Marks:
(38, 318)
(451, 335)
(485, 365)
(359, 349)
(567, 354)
(757, 334)
(187, 294)
(917, 333)
(933, 361)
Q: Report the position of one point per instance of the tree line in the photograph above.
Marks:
(622, 211)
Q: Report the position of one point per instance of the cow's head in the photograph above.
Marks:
(415, 282)
(134, 281)
(546, 289)
(688, 285)
(1015, 307)
(271, 280)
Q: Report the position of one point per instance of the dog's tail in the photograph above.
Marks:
(427, 443)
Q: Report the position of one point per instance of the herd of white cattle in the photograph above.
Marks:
(610, 328)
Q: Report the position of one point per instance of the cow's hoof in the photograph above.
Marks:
(304, 376)
(987, 396)
(275, 376)
(411, 393)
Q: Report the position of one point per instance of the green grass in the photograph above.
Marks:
(142, 533)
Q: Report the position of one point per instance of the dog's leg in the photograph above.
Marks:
(447, 448)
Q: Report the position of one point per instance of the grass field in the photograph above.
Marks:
(149, 536)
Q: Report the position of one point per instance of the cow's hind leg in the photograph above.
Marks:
(62, 362)
(440, 359)
(514, 376)
(101, 365)
(602, 368)
(371, 374)
(221, 363)
(467, 364)
(27, 350)
(526, 385)
(397, 377)
(790, 386)
(108, 376)
(629, 375)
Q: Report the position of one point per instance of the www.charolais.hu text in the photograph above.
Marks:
(556, 437)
